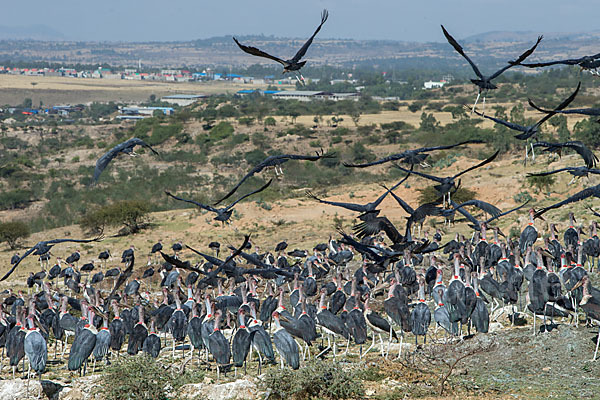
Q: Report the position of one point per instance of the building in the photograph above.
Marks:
(183, 100)
(434, 85)
(147, 111)
(309, 95)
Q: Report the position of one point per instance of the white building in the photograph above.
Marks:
(434, 85)
(183, 99)
(309, 95)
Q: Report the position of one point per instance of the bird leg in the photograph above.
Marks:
(381, 344)
(571, 181)
(483, 106)
(532, 152)
(597, 342)
(476, 100)
(373, 344)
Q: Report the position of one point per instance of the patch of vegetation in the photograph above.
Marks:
(14, 199)
(318, 380)
(142, 377)
(541, 182)
(130, 213)
(430, 195)
(522, 197)
(11, 232)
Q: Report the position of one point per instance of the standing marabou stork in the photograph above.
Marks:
(285, 344)
(83, 345)
(380, 325)
(151, 344)
(529, 234)
(103, 341)
(421, 315)
(218, 345)
(538, 293)
(241, 342)
(36, 351)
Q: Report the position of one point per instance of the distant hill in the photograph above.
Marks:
(35, 32)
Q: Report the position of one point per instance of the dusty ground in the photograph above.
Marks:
(63, 90)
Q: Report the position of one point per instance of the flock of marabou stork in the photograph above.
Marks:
(225, 310)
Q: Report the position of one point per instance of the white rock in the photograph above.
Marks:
(495, 327)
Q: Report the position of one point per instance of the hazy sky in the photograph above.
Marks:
(415, 20)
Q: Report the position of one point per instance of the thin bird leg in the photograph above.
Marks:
(373, 344)
(571, 181)
(381, 344)
(532, 152)
(597, 342)
(401, 340)
(483, 107)
(476, 100)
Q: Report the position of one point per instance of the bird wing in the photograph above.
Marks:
(180, 264)
(481, 164)
(585, 153)
(569, 61)
(256, 169)
(460, 51)
(431, 177)
(466, 214)
(15, 265)
(210, 259)
(510, 125)
(105, 160)
(308, 158)
(257, 52)
(347, 206)
(203, 206)
(552, 172)
(482, 205)
(140, 142)
(54, 241)
(402, 203)
(584, 194)
(393, 157)
(519, 60)
(375, 225)
(404, 154)
(562, 105)
(304, 48)
(250, 194)
(506, 212)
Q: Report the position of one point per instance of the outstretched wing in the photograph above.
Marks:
(106, 158)
(250, 194)
(509, 125)
(375, 225)
(347, 206)
(585, 153)
(556, 171)
(404, 154)
(140, 142)
(584, 194)
(15, 265)
(482, 205)
(203, 206)
(561, 106)
(180, 264)
(519, 60)
(460, 51)
(506, 212)
(569, 61)
(303, 49)
(593, 212)
(316, 157)
(481, 164)
(257, 52)
(431, 177)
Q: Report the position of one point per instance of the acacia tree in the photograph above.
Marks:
(132, 214)
(11, 232)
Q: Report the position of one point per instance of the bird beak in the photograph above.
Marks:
(578, 284)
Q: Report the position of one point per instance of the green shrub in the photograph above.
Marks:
(255, 156)
(14, 199)
(11, 232)
(130, 213)
(396, 126)
(522, 197)
(541, 182)
(221, 131)
(269, 121)
(142, 378)
(430, 195)
(318, 380)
